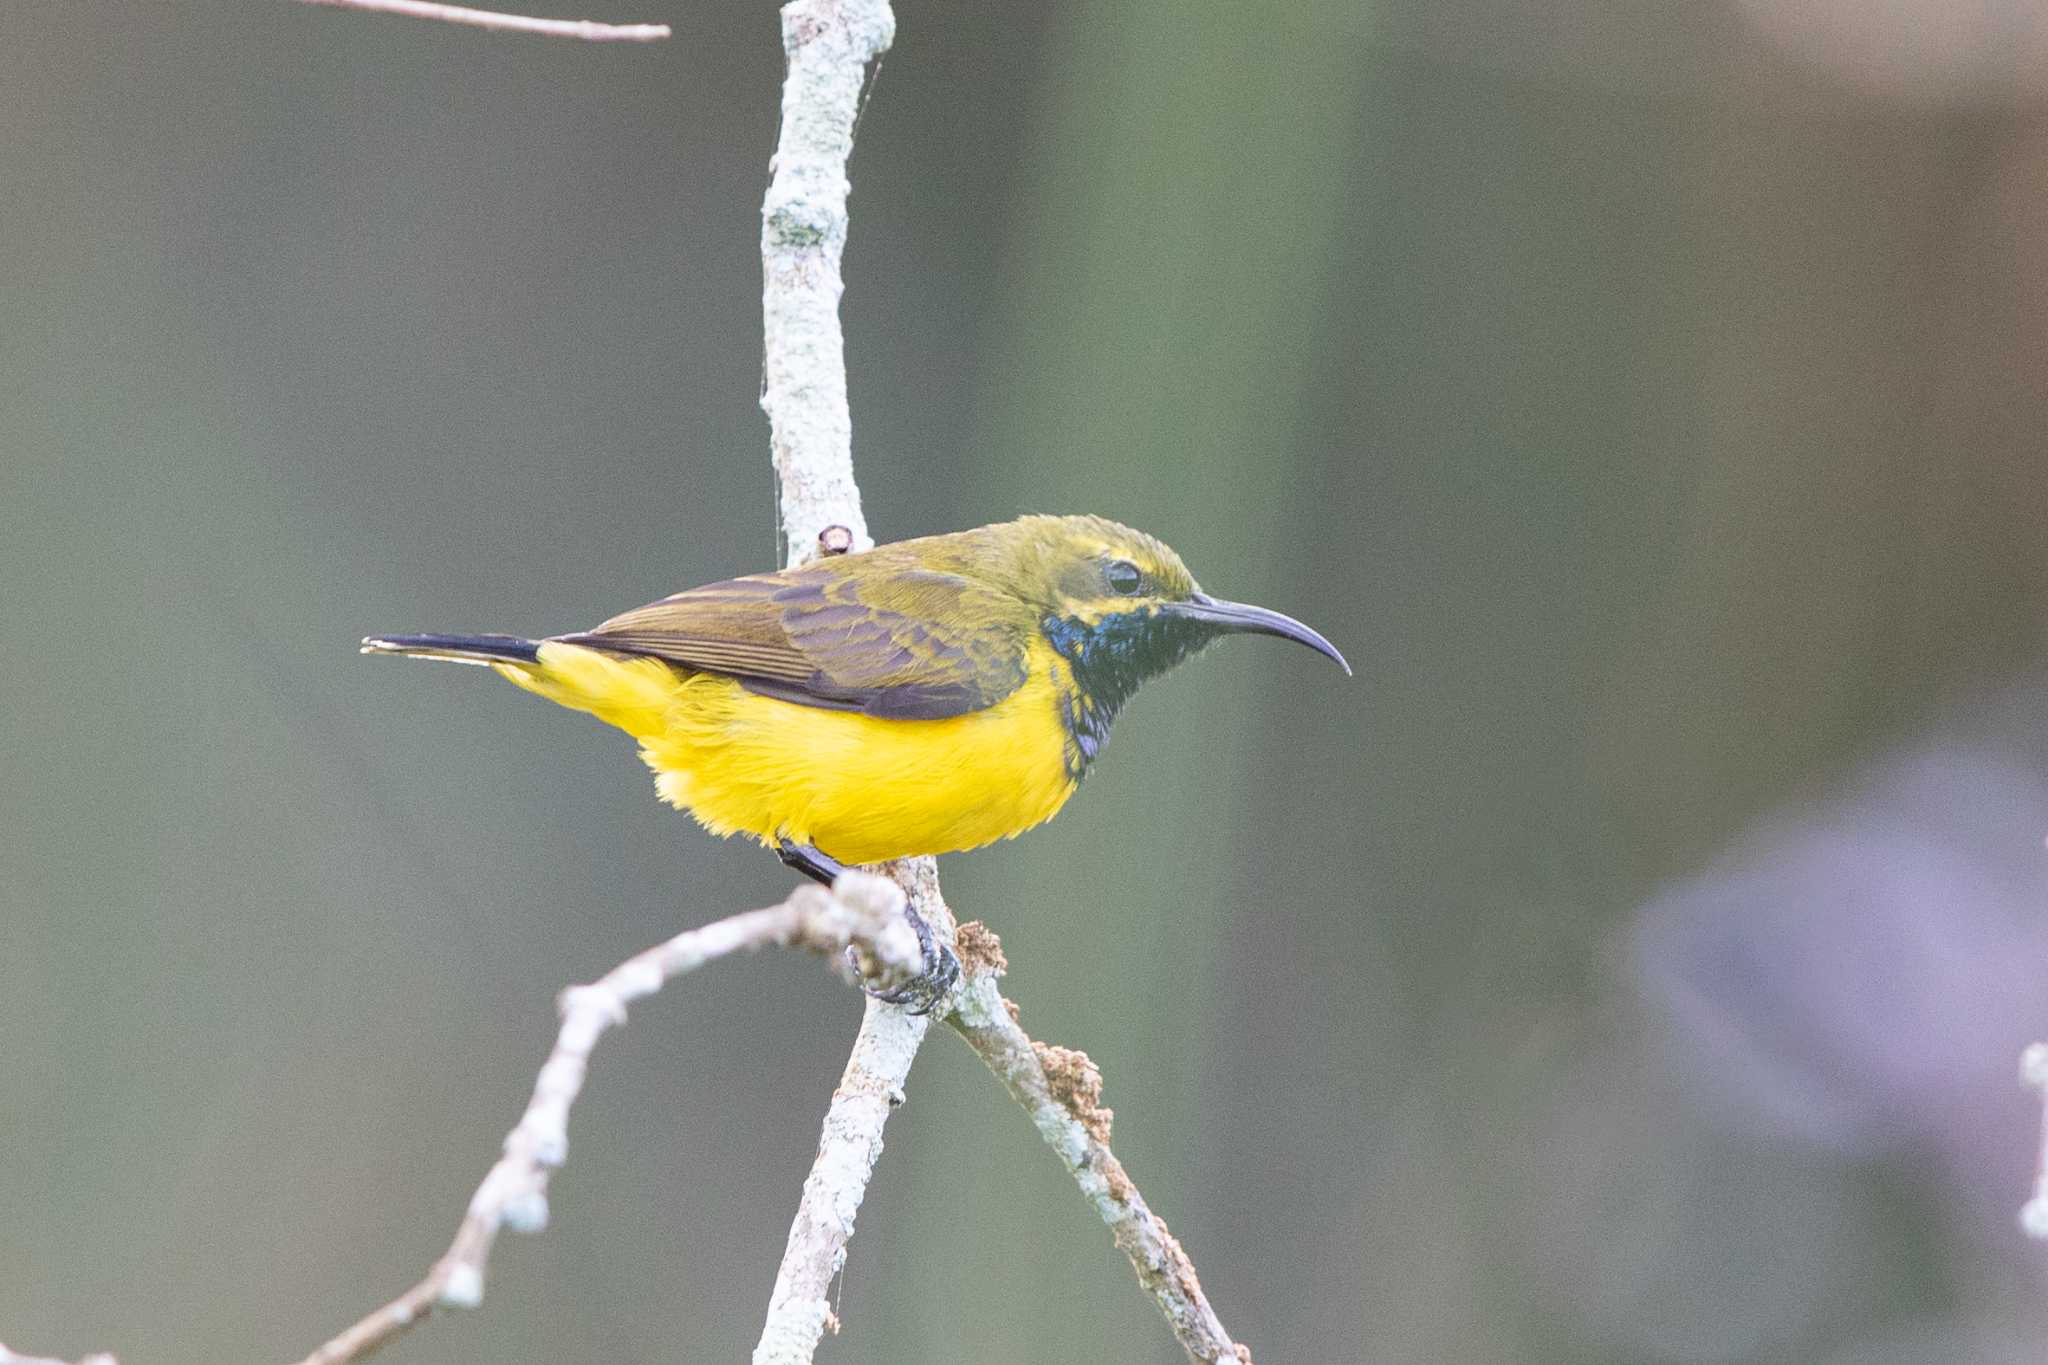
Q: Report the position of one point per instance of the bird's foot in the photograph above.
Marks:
(923, 992)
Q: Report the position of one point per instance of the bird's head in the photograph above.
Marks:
(1121, 607)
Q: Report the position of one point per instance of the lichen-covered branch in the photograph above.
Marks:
(870, 1089)
(1061, 1090)
(587, 30)
(863, 911)
(828, 45)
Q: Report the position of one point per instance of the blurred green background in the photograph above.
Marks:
(1648, 399)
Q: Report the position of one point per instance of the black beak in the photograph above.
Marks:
(1238, 617)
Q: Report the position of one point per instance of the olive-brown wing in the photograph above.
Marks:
(903, 642)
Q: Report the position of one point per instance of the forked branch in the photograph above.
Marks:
(829, 45)
(863, 911)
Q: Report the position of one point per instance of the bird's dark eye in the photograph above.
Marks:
(1123, 576)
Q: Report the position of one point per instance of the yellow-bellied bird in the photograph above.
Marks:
(921, 697)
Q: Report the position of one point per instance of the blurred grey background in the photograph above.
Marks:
(1628, 966)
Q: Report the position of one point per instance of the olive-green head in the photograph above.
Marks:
(1117, 603)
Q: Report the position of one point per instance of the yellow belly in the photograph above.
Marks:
(858, 788)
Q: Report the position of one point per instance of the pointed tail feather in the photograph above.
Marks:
(461, 649)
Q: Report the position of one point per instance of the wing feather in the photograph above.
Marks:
(890, 639)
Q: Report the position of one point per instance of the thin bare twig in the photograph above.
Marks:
(2034, 1074)
(8, 1357)
(587, 30)
(863, 910)
(1062, 1092)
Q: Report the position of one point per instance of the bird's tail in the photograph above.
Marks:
(635, 694)
(461, 649)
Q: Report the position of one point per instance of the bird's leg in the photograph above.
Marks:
(807, 860)
(922, 992)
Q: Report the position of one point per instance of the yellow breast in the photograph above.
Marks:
(858, 788)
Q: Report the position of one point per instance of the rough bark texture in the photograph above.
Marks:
(1061, 1089)
(828, 44)
(871, 1089)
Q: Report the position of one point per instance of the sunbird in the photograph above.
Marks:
(925, 696)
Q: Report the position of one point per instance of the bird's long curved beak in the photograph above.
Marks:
(1236, 617)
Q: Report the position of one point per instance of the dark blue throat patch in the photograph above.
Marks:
(1110, 660)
